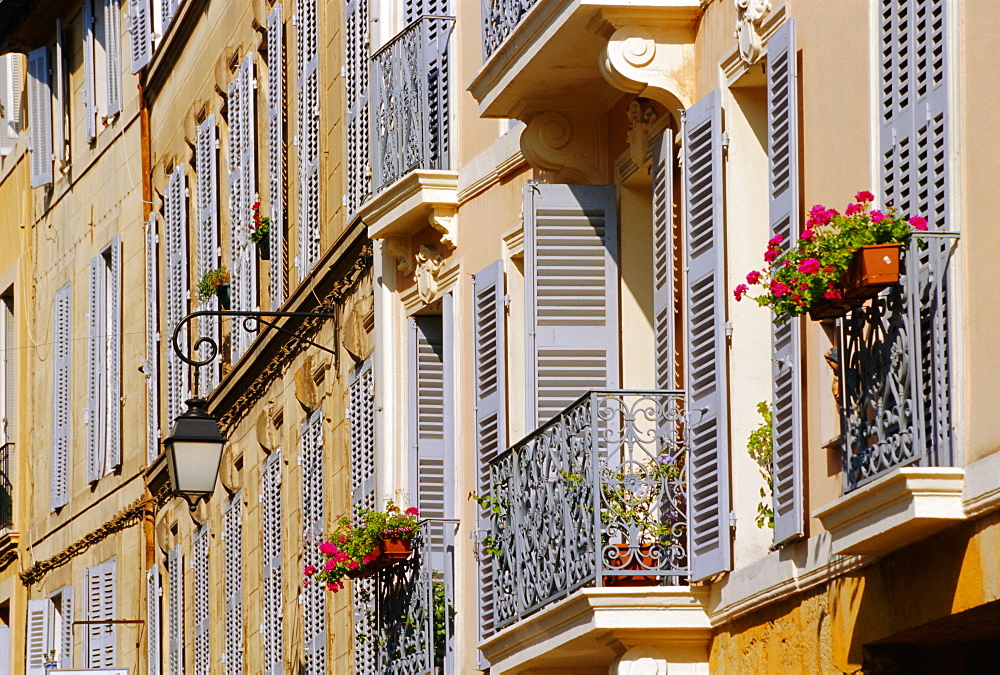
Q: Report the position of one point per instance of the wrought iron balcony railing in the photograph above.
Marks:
(500, 18)
(595, 495)
(410, 106)
(895, 370)
(6, 485)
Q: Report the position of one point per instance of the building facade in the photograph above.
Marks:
(517, 227)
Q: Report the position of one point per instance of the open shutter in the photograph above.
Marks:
(39, 637)
(40, 116)
(308, 132)
(8, 374)
(113, 55)
(154, 618)
(61, 413)
(100, 590)
(11, 87)
(271, 534)
(233, 537)
(178, 281)
(202, 617)
(89, 92)
(313, 597)
(151, 366)
(175, 611)
(786, 387)
(571, 269)
(66, 610)
(427, 423)
(663, 261)
(489, 309)
(96, 365)
(242, 194)
(140, 33)
(59, 130)
(357, 56)
(705, 340)
(276, 153)
(206, 156)
(114, 356)
(361, 402)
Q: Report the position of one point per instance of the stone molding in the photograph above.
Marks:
(648, 61)
(573, 149)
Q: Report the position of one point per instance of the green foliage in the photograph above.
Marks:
(261, 224)
(444, 620)
(759, 445)
(491, 546)
(211, 280)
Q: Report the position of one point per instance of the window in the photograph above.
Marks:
(50, 631)
(104, 364)
(101, 63)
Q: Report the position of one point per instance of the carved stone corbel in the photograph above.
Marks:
(549, 143)
(401, 251)
(442, 218)
(641, 115)
(429, 263)
(749, 16)
(640, 661)
(649, 65)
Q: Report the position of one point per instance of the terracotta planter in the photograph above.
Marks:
(873, 269)
(264, 247)
(388, 552)
(827, 309)
(629, 559)
(222, 293)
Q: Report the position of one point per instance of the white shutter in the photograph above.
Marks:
(276, 153)
(202, 613)
(96, 369)
(663, 262)
(66, 611)
(59, 130)
(154, 619)
(40, 116)
(206, 156)
(8, 372)
(705, 340)
(151, 366)
(11, 87)
(89, 92)
(175, 611)
(100, 593)
(233, 535)
(313, 597)
(175, 219)
(571, 269)
(39, 635)
(272, 550)
(356, 60)
(308, 135)
(242, 193)
(61, 391)
(113, 56)
(113, 399)
(140, 33)
(361, 399)
(786, 387)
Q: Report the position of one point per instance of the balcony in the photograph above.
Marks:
(6, 486)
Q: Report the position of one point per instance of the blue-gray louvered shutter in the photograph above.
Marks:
(101, 593)
(356, 60)
(9, 373)
(89, 92)
(177, 291)
(65, 636)
(151, 366)
(784, 210)
(140, 33)
(175, 611)
(242, 194)
(40, 117)
(313, 597)
(207, 228)
(276, 153)
(96, 369)
(113, 399)
(490, 391)
(273, 600)
(232, 535)
(705, 340)
(39, 635)
(59, 122)
(113, 56)
(11, 89)
(202, 606)
(154, 621)
(308, 133)
(61, 392)
(571, 285)
(361, 406)
(665, 349)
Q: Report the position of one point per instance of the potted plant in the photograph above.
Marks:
(260, 233)
(215, 282)
(356, 549)
(839, 261)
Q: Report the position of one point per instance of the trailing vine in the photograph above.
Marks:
(760, 450)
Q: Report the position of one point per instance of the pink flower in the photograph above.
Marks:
(413, 511)
(864, 196)
(918, 223)
(807, 234)
(330, 565)
(877, 216)
(352, 564)
(771, 254)
(310, 570)
(853, 209)
(832, 294)
(775, 241)
(779, 289)
(330, 586)
(327, 548)
(341, 539)
(753, 277)
(809, 266)
(740, 291)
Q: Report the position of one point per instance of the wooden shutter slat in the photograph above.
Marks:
(272, 551)
(89, 71)
(38, 639)
(113, 56)
(114, 359)
(154, 617)
(140, 34)
(276, 153)
(178, 284)
(151, 365)
(242, 193)
(66, 612)
(361, 403)
(207, 227)
(233, 536)
(61, 411)
(663, 261)
(40, 117)
(96, 371)
(314, 524)
(202, 610)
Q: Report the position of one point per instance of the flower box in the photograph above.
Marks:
(628, 559)
(222, 293)
(264, 246)
(388, 552)
(873, 269)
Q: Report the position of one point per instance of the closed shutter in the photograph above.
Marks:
(8, 375)
(39, 635)
(242, 194)
(177, 291)
(59, 122)
(40, 116)
(113, 56)
(489, 379)
(151, 366)
(664, 318)
(202, 617)
(206, 156)
(313, 597)
(175, 611)
(361, 402)
(571, 269)
(89, 92)
(96, 366)
(705, 340)
(276, 153)
(154, 619)
(113, 401)
(232, 535)
(65, 627)
(11, 87)
(786, 382)
(61, 392)
(271, 534)
(308, 134)
(356, 57)
(140, 33)
(101, 592)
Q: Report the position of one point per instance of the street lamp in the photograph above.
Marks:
(194, 452)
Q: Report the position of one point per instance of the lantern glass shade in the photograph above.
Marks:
(194, 451)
